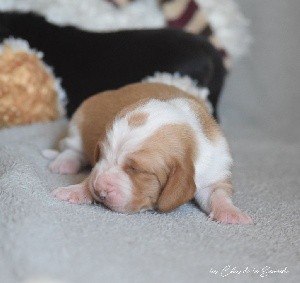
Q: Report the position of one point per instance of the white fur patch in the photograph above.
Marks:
(184, 83)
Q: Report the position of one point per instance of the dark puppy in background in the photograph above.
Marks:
(90, 62)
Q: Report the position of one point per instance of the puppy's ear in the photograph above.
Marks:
(96, 153)
(180, 187)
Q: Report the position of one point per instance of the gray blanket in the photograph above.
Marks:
(44, 240)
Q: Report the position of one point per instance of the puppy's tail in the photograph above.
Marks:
(184, 83)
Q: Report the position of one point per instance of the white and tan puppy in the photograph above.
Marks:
(152, 146)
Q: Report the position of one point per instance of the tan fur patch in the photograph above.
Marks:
(137, 119)
(130, 108)
(162, 171)
(209, 125)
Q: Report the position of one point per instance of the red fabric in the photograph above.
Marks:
(185, 17)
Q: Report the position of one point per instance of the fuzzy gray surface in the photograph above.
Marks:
(41, 237)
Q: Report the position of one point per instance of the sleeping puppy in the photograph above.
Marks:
(90, 62)
(151, 146)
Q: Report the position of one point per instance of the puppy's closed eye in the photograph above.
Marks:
(136, 170)
(132, 166)
(133, 169)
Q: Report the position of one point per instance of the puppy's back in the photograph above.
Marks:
(98, 112)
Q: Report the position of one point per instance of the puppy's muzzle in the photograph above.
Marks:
(101, 195)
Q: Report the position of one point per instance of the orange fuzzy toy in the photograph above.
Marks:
(29, 91)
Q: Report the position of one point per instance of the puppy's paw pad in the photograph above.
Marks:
(65, 166)
(73, 194)
(231, 216)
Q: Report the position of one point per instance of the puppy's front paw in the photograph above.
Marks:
(75, 194)
(65, 166)
(230, 215)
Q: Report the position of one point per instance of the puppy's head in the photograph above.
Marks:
(145, 163)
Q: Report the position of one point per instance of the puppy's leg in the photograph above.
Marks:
(79, 194)
(216, 201)
(71, 157)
